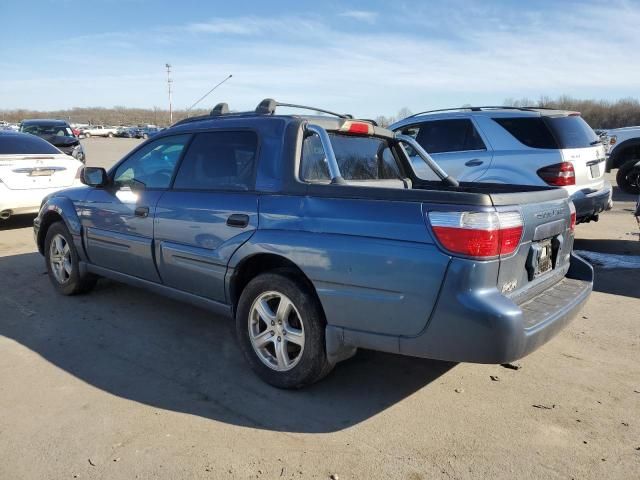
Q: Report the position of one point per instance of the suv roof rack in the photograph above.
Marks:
(481, 108)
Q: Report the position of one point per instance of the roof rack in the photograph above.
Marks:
(268, 107)
(479, 109)
(265, 107)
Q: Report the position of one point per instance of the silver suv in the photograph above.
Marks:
(526, 146)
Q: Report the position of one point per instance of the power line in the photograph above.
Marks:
(169, 82)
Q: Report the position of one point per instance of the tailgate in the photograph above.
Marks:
(35, 172)
(542, 258)
(588, 165)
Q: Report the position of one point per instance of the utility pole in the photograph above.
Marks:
(169, 82)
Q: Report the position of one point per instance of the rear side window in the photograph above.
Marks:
(219, 160)
(530, 131)
(441, 136)
(572, 131)
(25, 144)
(359, 158)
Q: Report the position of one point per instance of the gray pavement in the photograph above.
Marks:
(123, 384)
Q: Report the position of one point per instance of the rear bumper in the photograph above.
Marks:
(590, 204)
(25, 201)
(482, 326)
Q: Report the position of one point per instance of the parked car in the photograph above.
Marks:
(30, 169)
(58, 133)
(99, 131)
(623, 152)
(128, 132)
(318, 237)
(146, 132)
(527, 146)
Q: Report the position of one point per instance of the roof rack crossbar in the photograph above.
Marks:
(268, 106)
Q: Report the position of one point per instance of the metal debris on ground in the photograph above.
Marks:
(495, 378)
(511, 366)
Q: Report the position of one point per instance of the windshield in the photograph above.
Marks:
(25, 145)
(42, 130)
(572, 131)
(359, 158)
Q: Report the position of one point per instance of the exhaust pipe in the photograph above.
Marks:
(5, 214)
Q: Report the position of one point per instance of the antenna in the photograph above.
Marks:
(207, 94)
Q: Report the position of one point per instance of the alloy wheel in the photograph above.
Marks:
(60, 259)
(276, 331)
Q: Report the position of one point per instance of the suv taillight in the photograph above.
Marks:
(477, 234)
(558, 175)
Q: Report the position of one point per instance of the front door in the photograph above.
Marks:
(211, 210)
(118, 220)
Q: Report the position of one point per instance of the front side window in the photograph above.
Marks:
(442, 136)
(152, 166)
(359, 158)
(219, 161)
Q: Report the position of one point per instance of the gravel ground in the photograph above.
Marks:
(124, 384)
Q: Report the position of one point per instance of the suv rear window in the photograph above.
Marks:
(530, 131)
(550, 132)
(25, 144)
(359, 158)
(572, 131)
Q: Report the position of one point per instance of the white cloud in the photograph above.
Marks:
(361, 15)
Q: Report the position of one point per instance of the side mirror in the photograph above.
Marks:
(94, 177)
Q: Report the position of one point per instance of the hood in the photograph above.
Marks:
(59, 141)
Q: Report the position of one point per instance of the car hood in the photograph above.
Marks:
(58, 141)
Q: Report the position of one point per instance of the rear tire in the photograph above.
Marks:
(87, 135)
(62, 262)
(280, 328)
(110, 135)
(628, 177)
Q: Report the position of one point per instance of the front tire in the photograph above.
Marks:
(280, 327)
(628, 177)
(62, 262)
(110, 135)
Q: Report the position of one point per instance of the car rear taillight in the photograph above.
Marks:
(79, 172)
(357, 128)
(572, 223)
(558, 175)
(477, 234)
(612, 140)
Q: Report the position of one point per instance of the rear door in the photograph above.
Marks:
(118, 221)
(211, 210)
(455, 144)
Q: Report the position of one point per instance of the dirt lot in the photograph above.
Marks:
(125, 384)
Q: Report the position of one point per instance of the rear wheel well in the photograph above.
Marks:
(626, 152)
(255, 265)
(49, 219)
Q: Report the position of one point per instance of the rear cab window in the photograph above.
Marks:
(360, 158)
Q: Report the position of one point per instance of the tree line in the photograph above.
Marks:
(598, 113)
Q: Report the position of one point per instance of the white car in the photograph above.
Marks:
(99, 131)
(30, 169)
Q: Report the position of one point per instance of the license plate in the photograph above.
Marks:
(595, 170)
(42, 172)
(545, 258)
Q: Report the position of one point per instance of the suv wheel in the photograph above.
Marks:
(628, 177)
(280, 328)
(87, 135)
(62, 262)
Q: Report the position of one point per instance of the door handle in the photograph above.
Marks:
(238, 220)
(142, 212)
(474, 163)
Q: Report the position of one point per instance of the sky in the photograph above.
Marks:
(362, 57)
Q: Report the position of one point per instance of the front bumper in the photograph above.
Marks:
(481, 326)
(591, 204)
